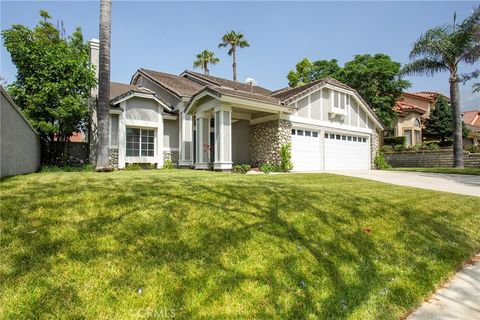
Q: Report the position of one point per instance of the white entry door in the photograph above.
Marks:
(306, 151)
(346, 151)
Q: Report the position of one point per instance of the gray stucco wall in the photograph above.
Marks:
(19, 143)
(170, 134)
(240, 132)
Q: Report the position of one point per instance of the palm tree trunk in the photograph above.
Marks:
(234, 64)
(205, 68)
(457, 122)
(103, 116)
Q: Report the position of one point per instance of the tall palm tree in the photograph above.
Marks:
(443, 49)
(205, 58)
(234, 40)
(103, 106)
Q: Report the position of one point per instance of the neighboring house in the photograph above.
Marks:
(413, 109)
(194, 119)
(19, 141)
(472, 121)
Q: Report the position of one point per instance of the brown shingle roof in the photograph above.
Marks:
(245, 95)
(221, 82)
(180, 86)
(119, 89)
(285, 94)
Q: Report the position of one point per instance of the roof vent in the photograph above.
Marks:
(252, 82)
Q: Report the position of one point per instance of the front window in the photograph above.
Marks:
(417, 137)
(140, 142)
(417, 123)
(339, 100)
(408, 135)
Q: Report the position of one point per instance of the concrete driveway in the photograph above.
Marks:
(455, 183)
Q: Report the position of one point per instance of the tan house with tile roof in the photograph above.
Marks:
(412, 111)
(198, 121)
(472, 121)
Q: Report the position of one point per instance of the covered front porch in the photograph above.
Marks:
(223, 134)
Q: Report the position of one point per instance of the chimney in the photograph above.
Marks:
(94, 53)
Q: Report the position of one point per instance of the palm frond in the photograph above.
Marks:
(424, 66)
(433, 43)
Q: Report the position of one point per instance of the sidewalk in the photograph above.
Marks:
(459, 299)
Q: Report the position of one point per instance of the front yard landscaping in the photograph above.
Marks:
(470, 171)
(188, 244)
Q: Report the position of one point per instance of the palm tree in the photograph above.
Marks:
(443, 49)
(203, 59)
(103, 106)
(234, 40)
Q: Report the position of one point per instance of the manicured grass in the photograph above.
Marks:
(471, 171)
(152, 244)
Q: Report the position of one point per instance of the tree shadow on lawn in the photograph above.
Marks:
(304, 249)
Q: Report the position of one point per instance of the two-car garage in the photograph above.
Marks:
(314, 150)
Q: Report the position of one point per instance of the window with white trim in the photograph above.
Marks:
(339, 100)
(113, 130)
(140, 142)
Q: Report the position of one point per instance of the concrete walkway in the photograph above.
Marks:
(455, 183)
(459, 299)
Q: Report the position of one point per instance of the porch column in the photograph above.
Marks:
(223, 138)
(159, 131)
(122, 139)
(203, 138)
(186, 134)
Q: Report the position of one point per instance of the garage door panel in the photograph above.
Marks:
(350, 153)
(306, 151)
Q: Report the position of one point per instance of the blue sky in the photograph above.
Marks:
(166, 36)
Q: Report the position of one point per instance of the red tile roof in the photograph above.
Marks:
(431, 95)
(472, 117)
(401, 106)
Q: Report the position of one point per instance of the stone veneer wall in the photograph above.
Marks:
(426, 158)
(113, 157)
(374, 146)
(172, 156)
(266, 139)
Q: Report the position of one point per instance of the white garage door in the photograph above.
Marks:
(306, 151)
(346, 152)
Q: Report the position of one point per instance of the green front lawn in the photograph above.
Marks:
(154, 244)
(471, 171)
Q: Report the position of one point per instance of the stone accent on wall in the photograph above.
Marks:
(113, 157)
(172, 156)
(374, 146)
(427, 158)
(266, 140)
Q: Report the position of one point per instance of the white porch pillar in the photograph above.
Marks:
(122, 139)
(203, 138)
(159, 139)
(186, 143)
(223, 138)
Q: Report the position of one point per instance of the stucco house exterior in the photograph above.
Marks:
(194, 119)
(412, 111)
(472, 121)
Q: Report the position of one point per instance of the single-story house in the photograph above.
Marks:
(194, 119)
(413, 109)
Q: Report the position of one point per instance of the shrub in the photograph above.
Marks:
(167, 164)
(386, 148)
(399, 147)
(473, 148)
(80, 168)
(416, 147)
(267, 168)
(380, 162)
(241, 168)
(433, 146)
(393, 141)
(286, 157)
(132, 166)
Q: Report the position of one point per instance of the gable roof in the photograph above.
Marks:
(472, 117)
(431, 95)
(288, 94)
(122, 91)
(179, 86)
(402, 106)
(221, 82)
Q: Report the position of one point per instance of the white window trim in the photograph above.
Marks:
(110, 145)
(141, 158)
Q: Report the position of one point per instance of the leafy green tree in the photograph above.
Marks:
(53, 82)
(205, 58)
(307, 71)
(375, 77)
(234, 40)
(442, 49)
(439, 124)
